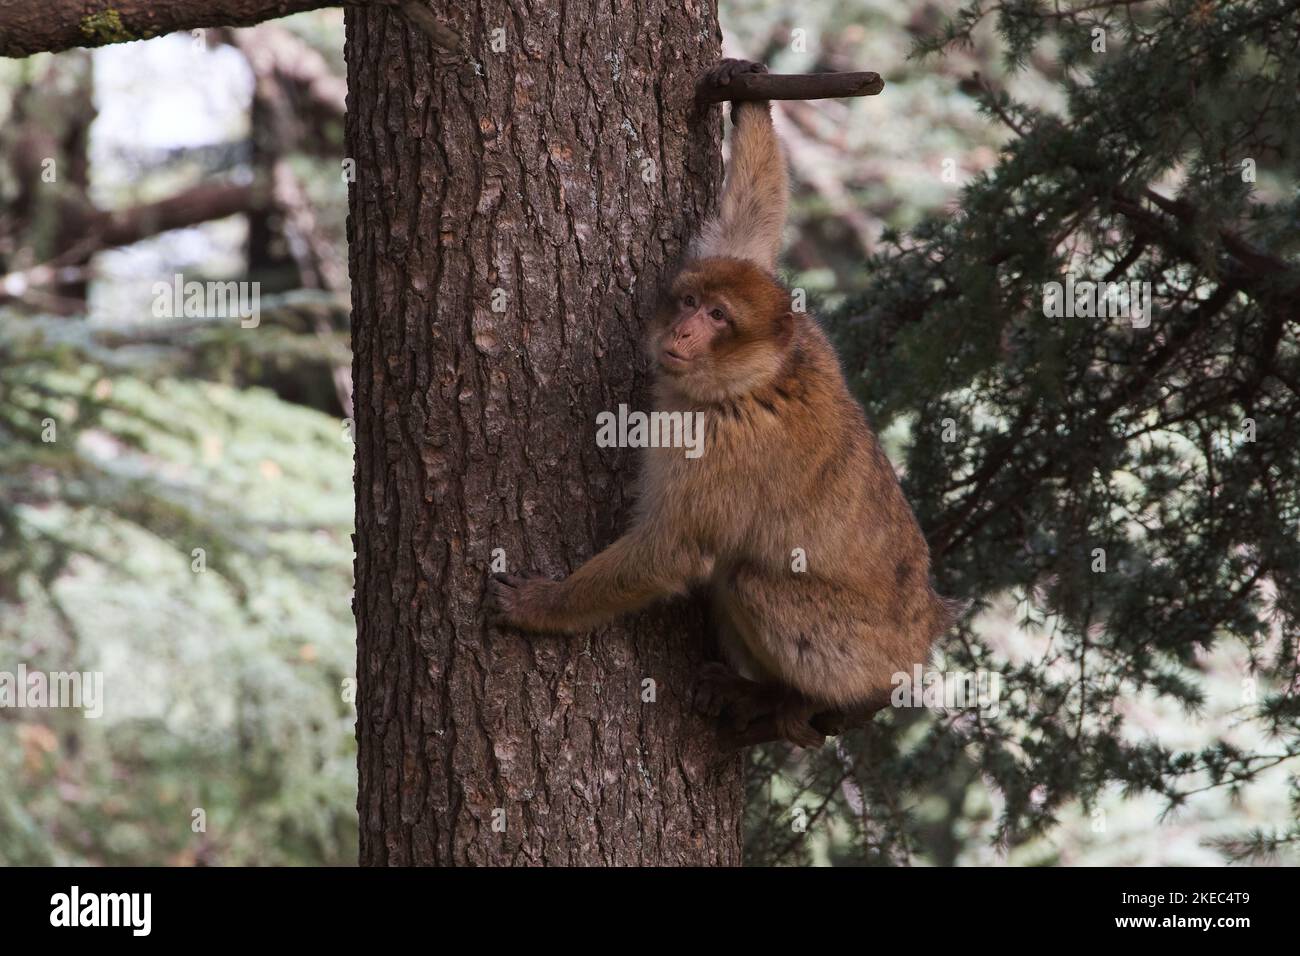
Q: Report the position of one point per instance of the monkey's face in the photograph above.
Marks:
(722, 329)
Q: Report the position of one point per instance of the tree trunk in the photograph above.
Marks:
(567, 172)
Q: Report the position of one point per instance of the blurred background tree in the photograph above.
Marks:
(175, 494)
(1149, 710)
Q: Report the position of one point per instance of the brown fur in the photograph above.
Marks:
(789, 462)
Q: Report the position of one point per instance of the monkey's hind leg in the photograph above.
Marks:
(790, 719)
(753, 712)
(736, 700)
(718, 687)
(778, 713)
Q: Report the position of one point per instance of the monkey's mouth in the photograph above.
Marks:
(672, 361)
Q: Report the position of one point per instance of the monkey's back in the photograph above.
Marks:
(821, 572)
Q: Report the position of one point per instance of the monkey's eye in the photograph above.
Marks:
(717, 315)
(688, 301)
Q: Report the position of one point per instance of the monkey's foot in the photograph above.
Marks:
(794, 725)
(752, 713)
(757, 704)
(832, 723)
(770, 728)
(743, 707)
(717, 687)
(773, 713)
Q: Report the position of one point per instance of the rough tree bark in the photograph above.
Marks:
(566, 171)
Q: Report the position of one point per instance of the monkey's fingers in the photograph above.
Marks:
(745, 710)
(504, 594)
(790, 724)
(500, 592)
(721, 74)
(715, 687)
(799, 732)
(708, 700)
(766, 730)
(760, 733)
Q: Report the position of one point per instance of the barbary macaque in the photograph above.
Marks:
(792, 518)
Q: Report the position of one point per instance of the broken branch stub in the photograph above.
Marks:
(790, 86)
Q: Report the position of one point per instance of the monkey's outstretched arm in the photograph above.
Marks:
(749, 222)
(634, 571)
